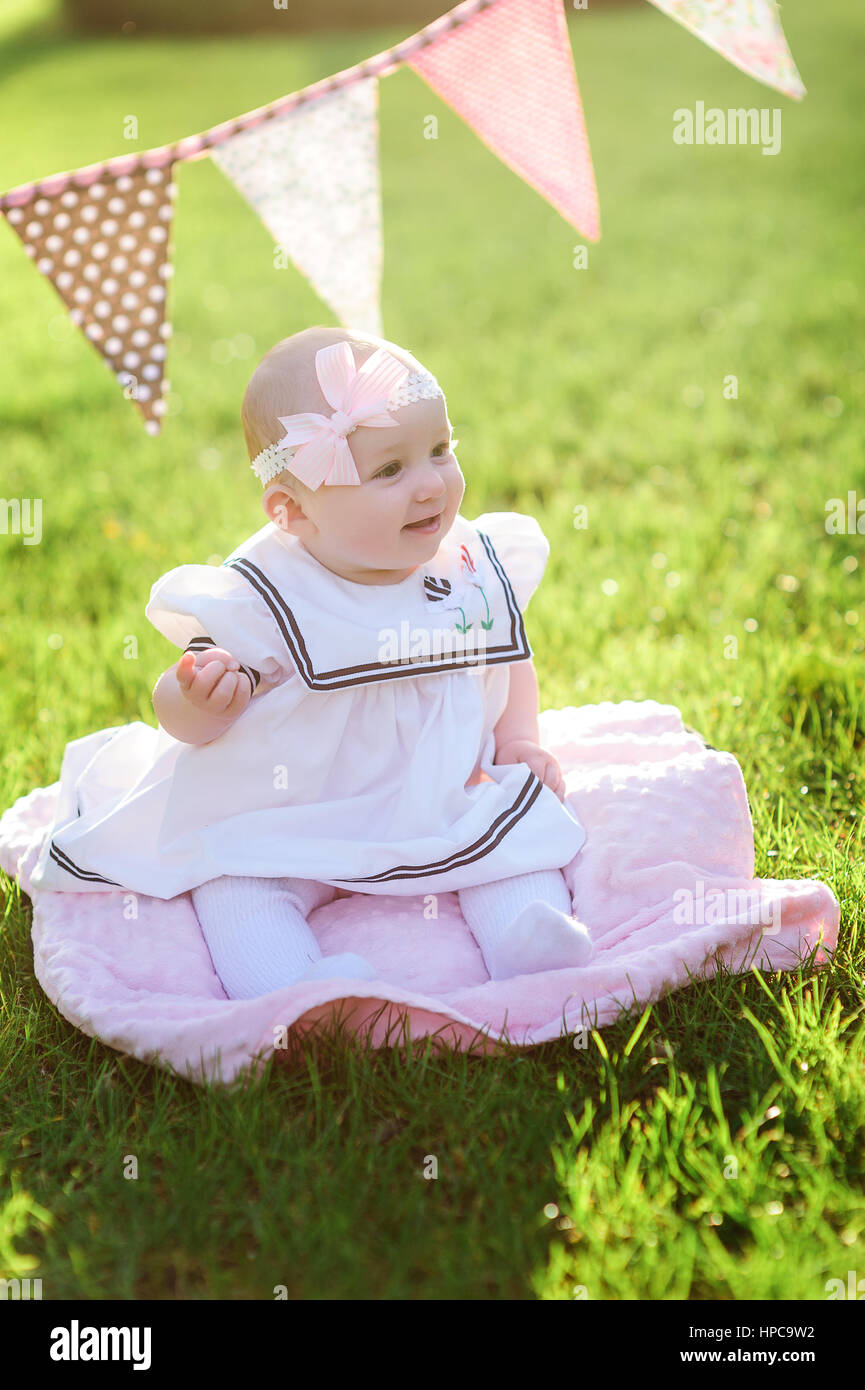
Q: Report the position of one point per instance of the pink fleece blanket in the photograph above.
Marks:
(664, 883)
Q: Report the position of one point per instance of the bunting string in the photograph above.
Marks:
(196, 146)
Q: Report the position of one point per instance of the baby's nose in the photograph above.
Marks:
(432, 486)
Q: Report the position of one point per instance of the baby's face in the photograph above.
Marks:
(407, 473)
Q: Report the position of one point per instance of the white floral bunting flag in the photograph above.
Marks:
(313, 178)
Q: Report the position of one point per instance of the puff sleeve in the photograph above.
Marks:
(521, 546)
(196, 606)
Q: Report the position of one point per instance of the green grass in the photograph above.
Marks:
(607, 1169)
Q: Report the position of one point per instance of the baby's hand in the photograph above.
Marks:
(213, 681)
(542, 763)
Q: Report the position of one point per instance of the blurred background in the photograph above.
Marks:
(248, 16)
(253, 16)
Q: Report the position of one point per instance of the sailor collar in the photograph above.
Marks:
(459, 610)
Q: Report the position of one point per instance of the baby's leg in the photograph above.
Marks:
(258, 936)
(524, 924)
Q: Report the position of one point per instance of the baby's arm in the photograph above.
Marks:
(517, 732)
(202, 695)
(520, 718)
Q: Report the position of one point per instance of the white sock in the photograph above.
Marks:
(258, 936)
(524, 924)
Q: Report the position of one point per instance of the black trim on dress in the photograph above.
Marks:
(88, 875)
(517, 648)
(507, 820)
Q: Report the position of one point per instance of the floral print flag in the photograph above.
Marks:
(748, 32)
(312, 176)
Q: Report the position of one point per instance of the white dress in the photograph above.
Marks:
(356, 770)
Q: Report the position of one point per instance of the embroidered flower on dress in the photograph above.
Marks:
(438, 589)
(469, 571)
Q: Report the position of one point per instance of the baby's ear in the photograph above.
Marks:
(280, 506)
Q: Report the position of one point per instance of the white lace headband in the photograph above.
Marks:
(359, 395)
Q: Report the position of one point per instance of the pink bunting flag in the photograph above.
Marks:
(747, 32)
(508, 71)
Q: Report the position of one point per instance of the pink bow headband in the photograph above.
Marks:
(315, 447)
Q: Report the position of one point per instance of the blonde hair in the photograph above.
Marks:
(285, 383)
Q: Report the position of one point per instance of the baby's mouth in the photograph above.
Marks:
(427, 523)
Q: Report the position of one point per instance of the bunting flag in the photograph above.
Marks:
(104, 246)
(747, 32)
(308, 164)
(313, 178)
(508, 71)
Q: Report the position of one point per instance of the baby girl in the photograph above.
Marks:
(370, 494)
(355, 709)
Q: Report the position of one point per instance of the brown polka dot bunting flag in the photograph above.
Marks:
(105, 248)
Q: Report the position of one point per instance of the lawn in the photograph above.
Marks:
(562, 1173)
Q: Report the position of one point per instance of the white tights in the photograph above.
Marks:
(259, 937)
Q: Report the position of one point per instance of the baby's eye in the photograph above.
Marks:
(440, 451)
